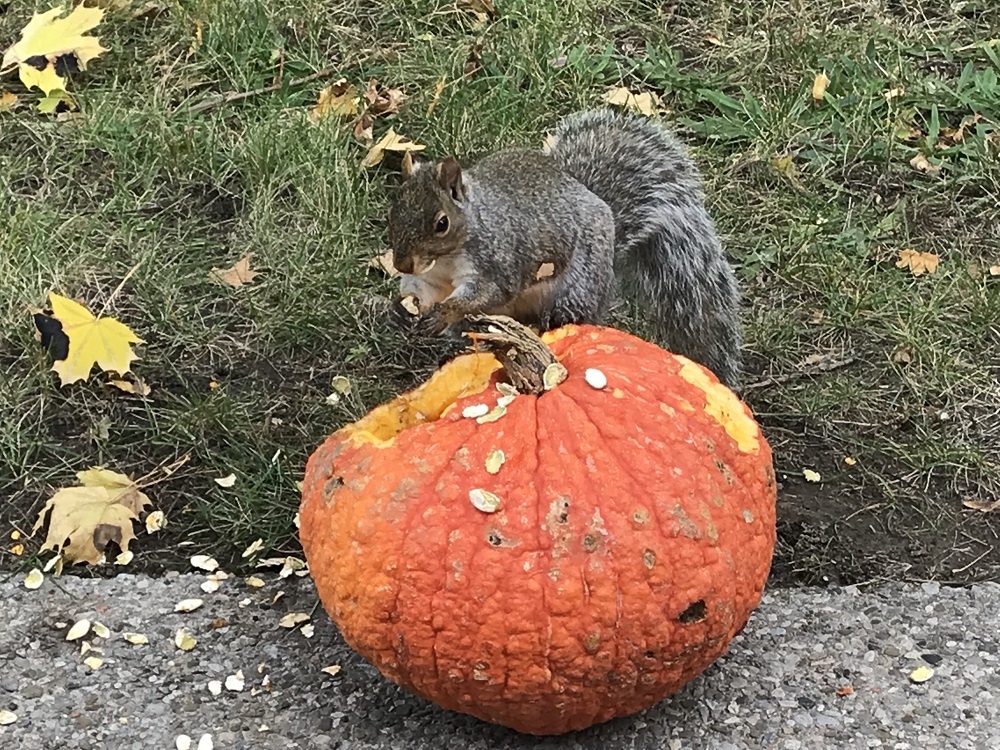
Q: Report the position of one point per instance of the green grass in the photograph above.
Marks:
(239, 376)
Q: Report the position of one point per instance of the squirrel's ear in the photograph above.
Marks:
(449, 175)
(407, 165)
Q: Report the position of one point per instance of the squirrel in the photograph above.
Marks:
(542, 236)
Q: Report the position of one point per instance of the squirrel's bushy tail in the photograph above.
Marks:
(665, 241)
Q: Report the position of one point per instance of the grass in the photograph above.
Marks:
(143, 179)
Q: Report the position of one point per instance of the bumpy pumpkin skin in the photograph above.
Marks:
(633, 541)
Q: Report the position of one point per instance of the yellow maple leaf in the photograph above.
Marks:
(391, 141)
(918, 263)
(819, 86)
(237, 275)
(337, 100)
(49, 37)
(103, 341)
(82, 520)
(645, 103)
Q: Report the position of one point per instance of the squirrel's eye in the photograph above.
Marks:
(441, 224)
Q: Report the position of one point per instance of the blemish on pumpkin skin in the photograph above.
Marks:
(591, 642)
(640, 517)
(726, 472)
(668, 410)
(462, 457)
(649, 558)
(618, 393)
(685, 526)
(590, 542)
(747, 515)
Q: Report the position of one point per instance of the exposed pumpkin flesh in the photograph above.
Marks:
(633, 539)
(722, 404)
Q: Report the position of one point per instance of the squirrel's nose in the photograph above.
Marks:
(403, 264)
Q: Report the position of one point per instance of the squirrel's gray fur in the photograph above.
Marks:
(611, 194)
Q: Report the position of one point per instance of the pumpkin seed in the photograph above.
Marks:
(498, 411)
(505, 401)
(409, 303)
(595, 378)
(485, 501)
(554, 374)
(475, 410)
(506, 389)
(494, 461)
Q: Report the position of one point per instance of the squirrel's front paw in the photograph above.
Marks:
(432, 323)
(404, 313)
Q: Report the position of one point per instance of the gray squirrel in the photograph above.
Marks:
(541, 235)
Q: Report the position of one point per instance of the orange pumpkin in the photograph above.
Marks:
(631, 539)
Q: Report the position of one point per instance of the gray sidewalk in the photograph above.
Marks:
(776, 688)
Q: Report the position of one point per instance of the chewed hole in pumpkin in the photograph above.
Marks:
(695, 612)
(462, 376)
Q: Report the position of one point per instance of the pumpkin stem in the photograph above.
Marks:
(522, 353)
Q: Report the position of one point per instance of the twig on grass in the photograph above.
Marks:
(218, 100)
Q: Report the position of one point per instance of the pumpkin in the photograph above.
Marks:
(552, 559)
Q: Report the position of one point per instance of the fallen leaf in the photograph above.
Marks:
(79, 629)
(994, 270)
(7, 717)
(917, 263)
(84, 519)
(984, 506)
(34, 579)
(8, 100)
(485, 7)
(156, 521)
(923, 164)
(645, 103)
(846, 690)
(204, 562)
(101, 341)
(921, 674)
(811, 476)
(219, 622)
(820, 82)
(184, 640)
(438, 90)
(136, 639)
(137, 386)
(474, 60)
(713, 39)
(953, 136)
(785, 166)
(383, 101)
(54, 41)
(332, 670)
(56, 102)
(237, 275)
(391, 141)
(188, 605)
(363, 129)
(339, 99)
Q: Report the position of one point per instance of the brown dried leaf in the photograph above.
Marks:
(363, 129)
(238, 275)
(474, 60)
(8, 100)
(917, 263)
(923, 164)
(384, 101)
